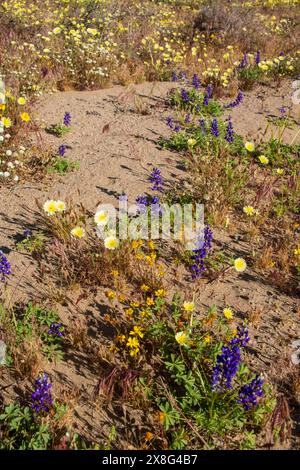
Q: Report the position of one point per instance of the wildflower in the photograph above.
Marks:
(207, 339)
(196, 81)
(227, 312)
(250, 146)
(25, 117)
(5, 268)
(279, 171)
(55, 329)
(249, 210)
(241, 337)
(257, 58)
(129, 312)
(181, 337)
(263, 160)
(62, 150)
(21, 101)
(27, 233)
(137, 331)
(174, 76)
(132, 342)
(150, 301)
(187, 118)
(101, 218)
(6, 122)
(156, 179)
(111, 242)
(215, 128)
(160, 293)
(189, 306)
(78, 232)
(209, 91)
(226, 367)
(184, 95)
(244, 62)
(110, 294)
(297, 251)
(205, 100)
(41, 397)
(237, 101)
(60, 206)
(145, 288)
(191, 142)
(170, 122)
(229, 131)
(50, 207)
(240, 265)
(200, 253)
(67, 119)
(249, 393)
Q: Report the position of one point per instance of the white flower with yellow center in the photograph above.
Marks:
(78, 232)
(101, 218)
(111, 242)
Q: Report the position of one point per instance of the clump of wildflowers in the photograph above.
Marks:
(5, 267)
(249, 393)
(41, 397)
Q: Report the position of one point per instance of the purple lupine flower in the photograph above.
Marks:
(282, 54)
(41, 397)
(5, 267)
(203, 247)
(226, 367)
(196, 82)
(209, 91)
(67, 119)
(55, 329)
(242, 337)
(184, 95)
(174, 76)
(237, 101)
(205, 100)
(215, 128)
(229, 131)
(182, 75)
(170, 122)
(177, 128)
(249, 393)
(27, 233)
(244, 62)
(62, 150)
(156, 179)
(258, 58)
(187, 118)
(282, 111)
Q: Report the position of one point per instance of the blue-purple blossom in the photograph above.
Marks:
(156, 179)
(184, 95)
(62, 150)
(242, 337)
(5, 267)
(249, 393)
(203, 247)
(27, 233)
(187, 118)
(215, 128)
(258, 58)
(226, 367)
(170, 122)
(67, 119)
(174, 76)
(282, 111)
(196, 82)
(41, 397)
(237, 101)
(229, 136)
(209, 91)
(244, 62)
(177, 128)
(55, 329)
